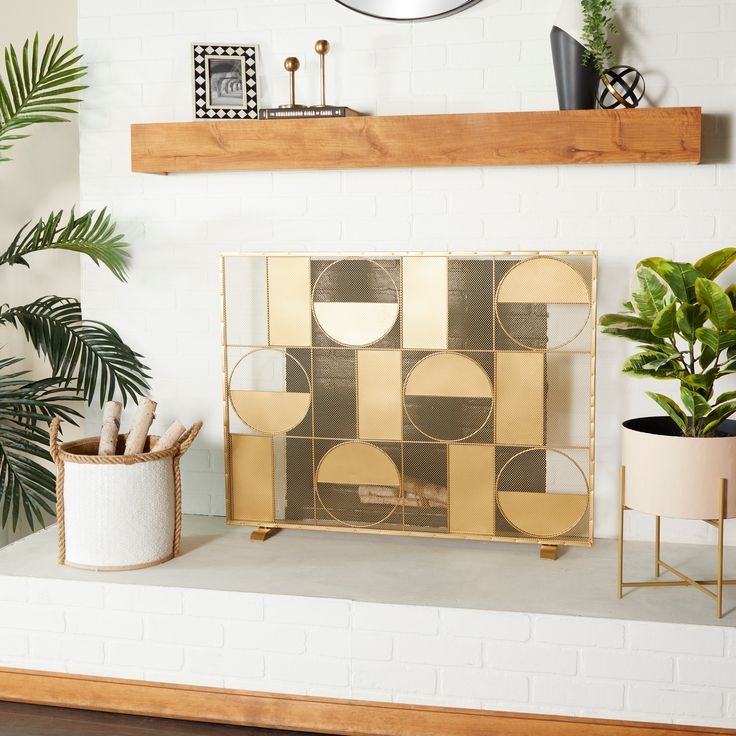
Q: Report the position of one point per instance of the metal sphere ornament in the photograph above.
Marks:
(621, 85)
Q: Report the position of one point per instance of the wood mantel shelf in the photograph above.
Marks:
(645, 135)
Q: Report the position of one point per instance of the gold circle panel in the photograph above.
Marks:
(270, 412)
(359, 323)
(450, 375)
(540, 514)
(356, 463)
(543, 280)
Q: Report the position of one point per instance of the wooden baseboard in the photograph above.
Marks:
(302, 713)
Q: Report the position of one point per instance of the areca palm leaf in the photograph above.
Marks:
(92, 234)
(26, 407)
(88, 356)
(38, 88)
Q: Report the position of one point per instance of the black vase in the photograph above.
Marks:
(577, 83)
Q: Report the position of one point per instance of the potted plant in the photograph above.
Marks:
(87, 359)
(684, 326)
(581, 50)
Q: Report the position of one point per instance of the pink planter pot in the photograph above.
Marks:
(678, 477)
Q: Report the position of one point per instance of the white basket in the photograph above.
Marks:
(117, 512)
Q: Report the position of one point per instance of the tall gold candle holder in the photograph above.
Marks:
(322, 47)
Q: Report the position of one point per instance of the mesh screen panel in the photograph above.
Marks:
(398, 359)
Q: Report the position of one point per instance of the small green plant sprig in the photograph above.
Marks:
(598, 25)
(684, 325)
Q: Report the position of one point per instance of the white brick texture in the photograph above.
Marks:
(411, 654)
(439, 650)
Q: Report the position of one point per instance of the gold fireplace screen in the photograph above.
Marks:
(428, 394)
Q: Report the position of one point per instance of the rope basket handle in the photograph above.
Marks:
(54, 440)
(185, 441)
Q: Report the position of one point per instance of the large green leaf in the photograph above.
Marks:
(727, 368)
(715, 263)
(91, 235)
(697, 380)
(37, 90)
(689, 318)
(712, 296)
(625, 321)
(26, 408)
(88, 356)
(680, 277)
(677, 415)
(638, 366)
(718, 415)
(662, 361)
(629, 327)
(716, 340)
(731, 293)
(694, 403)
(725, 396)
(650, 293)
(636, 335)
(664, 323)
(706, 358)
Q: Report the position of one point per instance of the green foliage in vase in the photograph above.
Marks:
(684, 325)
(598, 26)
(87, 359)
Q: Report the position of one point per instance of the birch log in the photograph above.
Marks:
(169, 437)
(110, 428)
(136, 440)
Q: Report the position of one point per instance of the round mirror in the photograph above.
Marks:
(407, 9)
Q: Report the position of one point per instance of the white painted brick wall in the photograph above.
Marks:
(580, 632)
(630, 670)
(495, 56)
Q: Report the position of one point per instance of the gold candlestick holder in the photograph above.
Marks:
(322, 47)
(291, 64)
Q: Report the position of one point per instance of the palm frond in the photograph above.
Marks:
(89, 357)
(26, 408)
(93, 234)
(37, 90)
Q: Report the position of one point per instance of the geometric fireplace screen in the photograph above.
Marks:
(442, 394)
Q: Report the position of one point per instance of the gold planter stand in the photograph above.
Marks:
(719, 582)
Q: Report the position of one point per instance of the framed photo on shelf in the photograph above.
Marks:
(225, 81)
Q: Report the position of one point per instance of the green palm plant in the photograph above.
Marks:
(87, 359)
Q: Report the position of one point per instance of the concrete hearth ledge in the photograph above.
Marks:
(413, 571)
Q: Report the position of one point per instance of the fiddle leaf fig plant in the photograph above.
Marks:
(684, 325)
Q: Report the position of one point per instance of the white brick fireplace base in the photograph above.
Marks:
(331, 646)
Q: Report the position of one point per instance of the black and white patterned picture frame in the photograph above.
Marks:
(225, 81)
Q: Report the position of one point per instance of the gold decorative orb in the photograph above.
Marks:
(291, 64)
(322, 47)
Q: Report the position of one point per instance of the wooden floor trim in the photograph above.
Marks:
(302, 713)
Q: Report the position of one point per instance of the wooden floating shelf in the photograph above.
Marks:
(645, 135)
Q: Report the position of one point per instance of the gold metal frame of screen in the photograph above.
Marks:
(376, 256)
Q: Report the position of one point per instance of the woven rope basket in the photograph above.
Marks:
(117, 512)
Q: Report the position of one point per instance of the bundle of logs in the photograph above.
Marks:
(417, 492)
(135, 442)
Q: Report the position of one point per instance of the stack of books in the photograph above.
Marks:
(293, 113)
